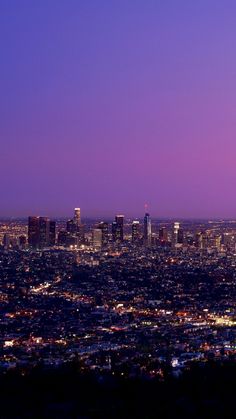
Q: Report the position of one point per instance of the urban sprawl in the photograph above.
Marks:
(128, 296)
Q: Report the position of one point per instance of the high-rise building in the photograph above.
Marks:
(71, 227)
(180, 236)
(114, 231)
(135, 231)
(97, 238)
(118, 229)
(147, 233)
(79, 227)
(177, 235)
(62, 238)
(80, 233)
(105, 233)
(163, 235)
(33, 231)
(44, 228)
(38, 232)
(52, 233)
(77, 216)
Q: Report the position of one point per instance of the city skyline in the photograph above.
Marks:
(118, 214)
(109, 216)
(113, 104)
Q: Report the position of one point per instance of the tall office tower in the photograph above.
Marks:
(80, 233)
(52, 233)
(114, 231)
(97, 238)
(135, 231)
(33, 231)
(147, 233)
(175, 234)
(103, 226)
(44, 229)
(38, 231)
(118, 229)
(180, 237)
(62, 238)
(77, 216)
(79, 226)
(163, 235)
(71, 227)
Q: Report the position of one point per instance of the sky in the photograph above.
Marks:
(107, 105)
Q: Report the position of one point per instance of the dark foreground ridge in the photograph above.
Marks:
(70, 392)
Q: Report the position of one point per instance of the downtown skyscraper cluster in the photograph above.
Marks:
(42, 232)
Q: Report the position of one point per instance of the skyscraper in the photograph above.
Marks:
(181, 236)
(163, 235)
(105, 236)
(52, 233)
(147, 234)
(177, 234)
(97, 238)
(135, 231)
(71, 226)
(114, 231)
(62, 238)
(118, 229)
(79, 227)
(77, 216)
(39, 232)
(33, 231)
(44, 231)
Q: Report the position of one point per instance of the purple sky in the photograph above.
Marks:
(110, 104)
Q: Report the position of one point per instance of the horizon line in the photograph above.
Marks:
(110, 217)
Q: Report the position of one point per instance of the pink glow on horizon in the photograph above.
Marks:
(109, 106)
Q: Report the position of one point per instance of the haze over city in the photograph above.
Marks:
(109, 105)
